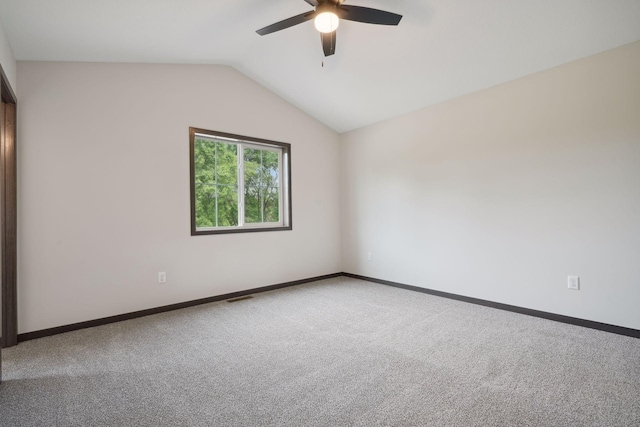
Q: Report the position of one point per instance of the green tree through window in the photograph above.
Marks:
(261, 186)
(216, 183)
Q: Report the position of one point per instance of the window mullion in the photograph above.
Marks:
(240, 185)
(281, 205)
(261, 186)
(215, 178)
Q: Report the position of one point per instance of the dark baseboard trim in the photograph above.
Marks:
(620, 330)
(118, 318)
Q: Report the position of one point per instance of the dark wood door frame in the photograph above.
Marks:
(9, 211)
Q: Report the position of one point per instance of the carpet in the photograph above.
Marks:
(337, 352)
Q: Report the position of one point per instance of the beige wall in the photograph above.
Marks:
(7, 60)
(497, 195)
(501, 194)
(104, 190)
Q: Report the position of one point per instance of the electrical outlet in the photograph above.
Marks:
(162, 277)
(369, 256)
(573, 282)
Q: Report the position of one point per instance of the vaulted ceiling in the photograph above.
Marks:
(440, 50)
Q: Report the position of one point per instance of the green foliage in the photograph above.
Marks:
(261, 186)
(216, 184)
(216, 172)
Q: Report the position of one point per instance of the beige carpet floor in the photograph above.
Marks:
(338, 352)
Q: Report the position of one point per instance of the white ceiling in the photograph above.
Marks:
(441, 49)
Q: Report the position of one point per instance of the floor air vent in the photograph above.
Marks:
(240, 299)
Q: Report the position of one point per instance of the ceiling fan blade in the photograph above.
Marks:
(313, 3)
(368, 15)
(328, 43)
(286, 23)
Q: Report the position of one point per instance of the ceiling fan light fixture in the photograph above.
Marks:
(327, 22)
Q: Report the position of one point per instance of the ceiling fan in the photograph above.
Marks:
(327, 15)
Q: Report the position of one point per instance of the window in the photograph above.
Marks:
(238, 183)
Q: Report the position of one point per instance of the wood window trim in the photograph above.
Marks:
(285, 146)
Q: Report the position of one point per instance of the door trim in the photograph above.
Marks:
(9, 207)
